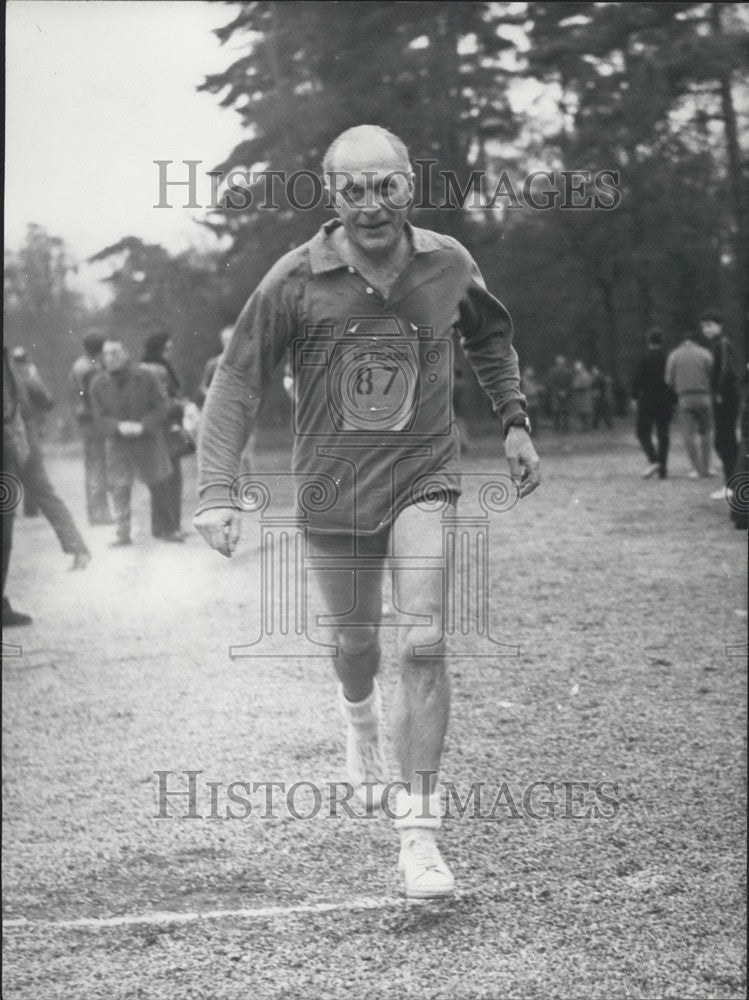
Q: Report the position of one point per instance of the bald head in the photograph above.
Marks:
(366, 147)
(370, 183)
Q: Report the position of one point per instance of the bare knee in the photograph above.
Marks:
(357, 640)
(418, 643)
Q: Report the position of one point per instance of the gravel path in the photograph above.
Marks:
(627, 599)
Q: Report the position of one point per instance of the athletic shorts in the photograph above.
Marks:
(696, 413)
(374, 544)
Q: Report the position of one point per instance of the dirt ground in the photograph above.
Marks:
(627, 600)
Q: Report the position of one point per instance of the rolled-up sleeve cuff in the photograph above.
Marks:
(216, 495)
(510, 410)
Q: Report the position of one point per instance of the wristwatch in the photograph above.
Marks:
(519, 420)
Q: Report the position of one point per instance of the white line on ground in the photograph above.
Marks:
(165, 917)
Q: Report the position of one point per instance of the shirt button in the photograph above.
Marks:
(370, 290)
(351, 270)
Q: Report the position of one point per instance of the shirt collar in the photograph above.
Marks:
(324, 254)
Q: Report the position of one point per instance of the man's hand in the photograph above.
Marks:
(524, 463)
(220, 528)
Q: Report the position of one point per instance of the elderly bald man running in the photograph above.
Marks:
(366, 309)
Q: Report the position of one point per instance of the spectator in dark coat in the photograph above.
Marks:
(533, 392)
(560, 391)
(166, 516)
(655, 405)
(33, 474)
(15, 456)
(36, 402)
(725, 393)
(737, 495)
(603, 398)
(582, 394)
(130, 406)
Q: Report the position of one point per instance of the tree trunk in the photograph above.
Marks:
(738, 186)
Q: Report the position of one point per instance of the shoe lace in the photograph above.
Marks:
(371, 760)
(424, 853)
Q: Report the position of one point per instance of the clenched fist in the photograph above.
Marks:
(220, 528)
(524, 463)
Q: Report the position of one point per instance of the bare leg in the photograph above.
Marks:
(422, 697)
(356, 594)
(706, 450)
(690, 440)
(353, 598)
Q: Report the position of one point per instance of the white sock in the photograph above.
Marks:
(417, 812)
(363, 715)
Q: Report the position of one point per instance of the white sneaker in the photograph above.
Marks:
(365, 759)
(651, 470)
(724, 493)
(425, 874)
(693, 475)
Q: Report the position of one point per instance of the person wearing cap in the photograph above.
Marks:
(725, 394)
(84, 369)
(655, 403)
(166, 496)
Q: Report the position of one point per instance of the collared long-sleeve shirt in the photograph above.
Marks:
(373, 419)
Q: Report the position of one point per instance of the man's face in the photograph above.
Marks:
(372, 192)
(113, 356)
(710, 328)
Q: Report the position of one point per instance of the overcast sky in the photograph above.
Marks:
(95, 91)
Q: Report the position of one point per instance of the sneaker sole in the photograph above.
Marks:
(447, 890)
(426, 894)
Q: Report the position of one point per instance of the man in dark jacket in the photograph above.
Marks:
(560, 390)
(130, 406)
(32, 397)
(655, 404)
(36, 403)
(725, 392)
(15, 456)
